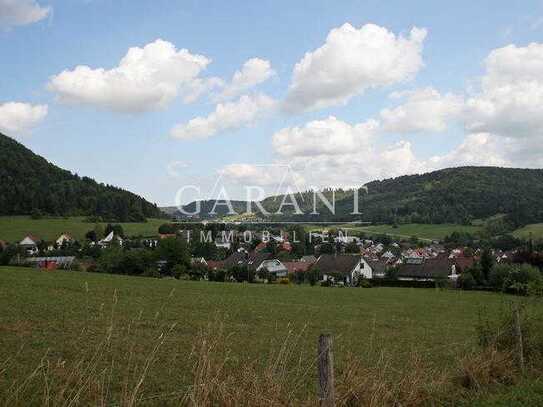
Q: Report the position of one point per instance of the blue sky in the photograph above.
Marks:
(459, 90)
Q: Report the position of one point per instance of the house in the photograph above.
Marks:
(51, 263)
(462, 263)
(3, 245)
(64, 238)
(251, 260)
(198, 261)
(378, 268)
(346, 268)
(274, 267)
(308, 259)
(297, 266)
(30, 244)
(437, 268)
(110, 239)
(215, 264)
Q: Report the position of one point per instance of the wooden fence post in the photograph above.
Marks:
(518, 336)
(326, 371)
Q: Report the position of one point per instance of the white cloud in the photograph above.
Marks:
(227, 116)
(21, 12)
(424, 110)
(511, 100)
(476, 149)
(249, 174)
(329, 137)
(147, 78)
(20, 118)
(331, 152)
(351, 61)
(254, 72)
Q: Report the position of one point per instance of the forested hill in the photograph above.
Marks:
(453, 195)
(30, 184)
(456, 195)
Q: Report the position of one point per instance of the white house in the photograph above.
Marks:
(30, 244)
(349, 268)
(109, 239)
(64, 238)
(273, 267)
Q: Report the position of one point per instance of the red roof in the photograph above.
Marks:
(260, 246)
(463, 262)
(214, 264)
(297, 266)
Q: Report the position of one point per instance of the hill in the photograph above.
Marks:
(454, 195)
(30, 184)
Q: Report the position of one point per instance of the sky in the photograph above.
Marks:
(156, 96)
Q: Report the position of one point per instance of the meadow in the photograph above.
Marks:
(125, 340)
(15, 228)
(419, 230)
(534, 231)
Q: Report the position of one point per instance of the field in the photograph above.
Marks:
(63, 318)
(535, 231)
(14, 228)
(422, 231)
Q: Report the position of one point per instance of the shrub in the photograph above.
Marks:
(179, 270)
(466, 281)
(284, 281)
(364, 283)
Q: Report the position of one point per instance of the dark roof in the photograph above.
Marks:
(337, 264)
(251, 260)
(437, 267)
(377, 266)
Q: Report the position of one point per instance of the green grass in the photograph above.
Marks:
(422, 231)
(65, 313)
(15, 228)
(535, 231)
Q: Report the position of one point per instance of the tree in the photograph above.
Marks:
(173, 251)
(487, 262)
(91, 235)
(116, 229)
(167, 229)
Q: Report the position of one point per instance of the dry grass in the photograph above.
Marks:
(279, 378)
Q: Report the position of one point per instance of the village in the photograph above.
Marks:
(327, 257)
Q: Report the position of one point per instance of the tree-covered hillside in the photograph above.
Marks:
(30, 184)
(455, 195)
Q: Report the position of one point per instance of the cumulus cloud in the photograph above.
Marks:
(424, 110)
(20, 118)
(511, 100)
(249, 174)
(253, 72)
(146, 78)
(329, 136)
(227, 116)
(331, 152)
(21, 12)
(351, 61)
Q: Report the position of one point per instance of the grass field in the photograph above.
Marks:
(422, 231)
(15, 228)
(535, 231)
(68, 314)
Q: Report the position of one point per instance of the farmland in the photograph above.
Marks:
(534, 231)
(67, 315)
(14, 228)
(422, 231)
